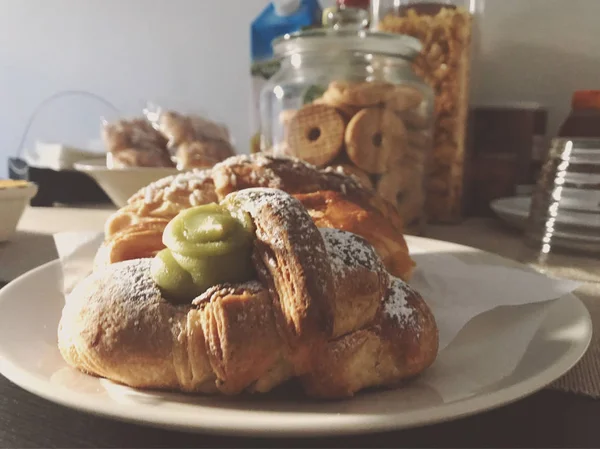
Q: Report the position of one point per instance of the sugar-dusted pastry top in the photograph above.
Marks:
(332, 197)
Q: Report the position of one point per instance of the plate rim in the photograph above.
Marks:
(510, 210)
(446, 412)
(508, 205)
(98, 165)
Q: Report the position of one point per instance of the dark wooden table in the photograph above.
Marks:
(545, 419)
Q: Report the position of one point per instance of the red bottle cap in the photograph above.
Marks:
(586, 99)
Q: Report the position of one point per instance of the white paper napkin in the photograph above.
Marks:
(76, 251)
(457, 292)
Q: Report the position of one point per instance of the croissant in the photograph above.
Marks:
(332, 198)
(322, 310)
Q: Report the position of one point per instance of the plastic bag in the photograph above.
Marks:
(193, 141)
(135, 143)
(166, 138)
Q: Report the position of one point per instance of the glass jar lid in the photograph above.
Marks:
(364, 41)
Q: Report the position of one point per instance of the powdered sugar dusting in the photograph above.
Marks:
(395, 304)
(132, 281)
(255, 199)
(285, 206)
(346, 181)
(189, 181)
(347, 250)
(266, 178)
(125, 290)
(259, 175)
(293, 227)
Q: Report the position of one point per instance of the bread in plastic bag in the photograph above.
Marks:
(166, 138)
(135, 143)
(194, 142)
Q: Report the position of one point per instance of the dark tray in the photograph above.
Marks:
(63, 186)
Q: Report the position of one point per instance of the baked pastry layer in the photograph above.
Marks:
(332, 198)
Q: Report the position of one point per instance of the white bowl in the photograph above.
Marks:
(13, 201)
(121, 183)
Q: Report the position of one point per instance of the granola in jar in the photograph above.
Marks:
(445, 30)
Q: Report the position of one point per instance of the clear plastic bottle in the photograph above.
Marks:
(584, 118)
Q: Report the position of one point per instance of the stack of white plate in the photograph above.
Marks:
(566, 205)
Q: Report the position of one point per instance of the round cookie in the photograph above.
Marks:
(347, 110)
(421, 139)
(415, 119)
(393, 184)
(374, 137)
(403, 98)
(315, 134)
(364, 94)
(286, 115)
(403, 187)
(416, 156)
(411, 207)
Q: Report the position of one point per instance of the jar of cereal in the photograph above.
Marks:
(444, 27)
(351, 101)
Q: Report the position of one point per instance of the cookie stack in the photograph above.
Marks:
(376, 131)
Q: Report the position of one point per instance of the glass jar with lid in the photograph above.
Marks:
(445, 28)
(350, 100)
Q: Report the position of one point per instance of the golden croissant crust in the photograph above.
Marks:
(323, 310)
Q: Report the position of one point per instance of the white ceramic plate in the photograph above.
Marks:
(515, 210)
(31, 305)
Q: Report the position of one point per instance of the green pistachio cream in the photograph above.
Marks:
(205, 245)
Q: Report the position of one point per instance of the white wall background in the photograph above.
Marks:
(538, 50)
(194, 55)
